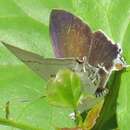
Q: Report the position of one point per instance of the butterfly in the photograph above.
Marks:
(92, 55)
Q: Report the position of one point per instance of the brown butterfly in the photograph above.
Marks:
(90, 54)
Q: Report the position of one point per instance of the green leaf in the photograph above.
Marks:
(107, 118)
(123, 107)
(113, 18)
(40, 9)
(25, 24)
(110, 16)
(65, 89)
(94, 14)
(92, 115)
(24, 90)
(25, 33)
(18, 85)
(118, 18)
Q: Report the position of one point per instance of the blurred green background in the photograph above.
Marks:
(24, 23)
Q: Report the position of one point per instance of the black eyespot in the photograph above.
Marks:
(119, 50)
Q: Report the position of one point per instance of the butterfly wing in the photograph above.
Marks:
(73, 38)
(45, 68)
(102, 54)
(102, 51)
(70, 36)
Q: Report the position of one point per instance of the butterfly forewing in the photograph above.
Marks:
(70, 36)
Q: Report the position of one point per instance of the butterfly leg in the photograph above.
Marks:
(79, 60)
(102, 90)
(82, 62)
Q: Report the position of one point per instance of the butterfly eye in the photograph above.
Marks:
(119, 50)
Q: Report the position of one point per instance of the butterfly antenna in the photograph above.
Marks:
(127, 66)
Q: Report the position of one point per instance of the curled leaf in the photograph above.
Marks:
(93, 114)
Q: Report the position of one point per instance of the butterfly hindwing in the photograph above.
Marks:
(102, 51)
(102, 54)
